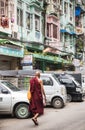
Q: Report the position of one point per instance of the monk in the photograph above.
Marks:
(36, 106)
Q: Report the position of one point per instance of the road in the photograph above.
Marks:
(71, 117)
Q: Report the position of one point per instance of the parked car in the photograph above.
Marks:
(73, 87)
(83, 89)
(13, 100)
(56, 94)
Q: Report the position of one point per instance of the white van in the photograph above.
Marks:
(56, 94)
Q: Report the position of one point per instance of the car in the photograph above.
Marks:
(83, 89)
(56, 94)
(73, 87)
(13, 100)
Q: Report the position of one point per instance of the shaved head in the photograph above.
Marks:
(37, 74)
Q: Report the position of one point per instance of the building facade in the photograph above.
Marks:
(80, 28)
(10, 51)
(68, 26)
(39, 34)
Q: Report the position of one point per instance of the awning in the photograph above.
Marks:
(65, 31)
(49, 58)
(78, 11)
(11, 51)
(73, 33)
(4, 41)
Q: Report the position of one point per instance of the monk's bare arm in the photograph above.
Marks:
(42, 88)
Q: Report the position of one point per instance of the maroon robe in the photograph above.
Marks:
(36, 103)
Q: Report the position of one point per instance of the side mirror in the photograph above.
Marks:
(4, 91)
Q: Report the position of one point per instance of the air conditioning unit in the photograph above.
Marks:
(14, 35)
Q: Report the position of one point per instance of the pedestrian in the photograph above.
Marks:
(36, 106)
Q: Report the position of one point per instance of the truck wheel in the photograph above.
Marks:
(69, 98)
(57, 103)
(21, 111)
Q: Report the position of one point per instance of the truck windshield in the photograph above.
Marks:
(10, 86)
(77, 83)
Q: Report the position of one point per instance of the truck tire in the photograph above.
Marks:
(21, 111)
(57, 103)
(69, 98)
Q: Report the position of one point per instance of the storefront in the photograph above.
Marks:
(48, 62)
(44, 61)
(10, 54)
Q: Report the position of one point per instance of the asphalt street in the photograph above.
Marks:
(71, 117)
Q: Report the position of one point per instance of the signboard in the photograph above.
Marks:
(76, 62)
(27, 62)
(11, 51)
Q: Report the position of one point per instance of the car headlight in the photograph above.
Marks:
(78, 89)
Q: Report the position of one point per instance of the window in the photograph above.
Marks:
(66, 8)
(12, 12)
(37, 23)
(19, 17)
(27, 20)
(19, 3)
(54, 31)
(0, 89)
(48, 29)
(54, 1)
(2, 7)
(47, 81)
(66, 37)
(71, 12)
(61, 37)
(10, 86)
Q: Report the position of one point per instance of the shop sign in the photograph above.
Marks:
(76, 62)
(27, 62)
(11, 51)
